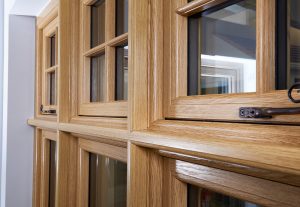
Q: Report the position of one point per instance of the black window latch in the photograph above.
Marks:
(50, 111)
(268, 113)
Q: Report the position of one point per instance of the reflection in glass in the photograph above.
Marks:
(52, 173)
(51, 88)
(97, 78)
(52, 50)
(122, 73)
(107, 182)
(199, 197)
(98, 23)
(222, 49)
(288, 43)
(121, 17)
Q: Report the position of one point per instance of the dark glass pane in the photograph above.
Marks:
(52, 173)
(52, 50)
(288, 43)
(51, 88)
(199, 197)
(107, 182)
(98, 23)
(122, 73)
(97, 76)
(121, 17)
(222, 49)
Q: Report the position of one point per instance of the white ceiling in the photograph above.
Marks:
(28, 7)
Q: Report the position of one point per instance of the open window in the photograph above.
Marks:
(103, 174)
(103, 73)
(49, 69)
(221, 59)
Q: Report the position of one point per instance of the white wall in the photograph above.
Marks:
(21, 67)
(1, 72)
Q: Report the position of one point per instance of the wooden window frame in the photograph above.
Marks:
(222, 107)
(47, 136)
(84, 148)
(47, 26)
(262, 192)
(50, 30)
(110, 107)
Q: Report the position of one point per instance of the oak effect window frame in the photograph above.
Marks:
(178, 174)
(109, 107)
(47, 194)
(85, 147)
(220, 107)
(47, 66)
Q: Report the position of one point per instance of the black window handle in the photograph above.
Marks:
(268, 113)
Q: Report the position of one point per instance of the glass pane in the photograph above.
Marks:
(107, 182)
(288, 43)
(52, 173)
(121, 17)
(97, 76)
(222, 49)
(199, 197)
(98, 23)
(122, 72)
(51, 88)
(53, 51)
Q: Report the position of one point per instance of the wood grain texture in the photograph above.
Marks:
(225, 107)
(114, 152)
(197, 6)
(83, 179)
(292, 180)
(36, 194)
(263, 192)
(48, 14)
(175, 190)
(145, 176)
(66, 170)
(156, 71)
(138, 63)
(65, 26)
(265, 45)
(267, 147)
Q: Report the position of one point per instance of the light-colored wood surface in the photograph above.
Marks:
(84, 148)
(114, 152)
(238, 168)
(175, 190)
(268, 147)
(145, 176)
(66, 170)
(157, 38)
(138, 64)
(224, 107)
(109, 107)
(197, 6)
(263, 192)
(37, 157)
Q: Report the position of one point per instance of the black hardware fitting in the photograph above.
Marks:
(268, 113)
(51, 111)
(295, 86)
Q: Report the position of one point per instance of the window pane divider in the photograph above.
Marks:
(51, 69)
(118, 40)
(197, 6)
(89, 2)
(95, 50)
